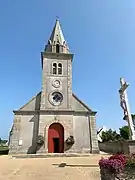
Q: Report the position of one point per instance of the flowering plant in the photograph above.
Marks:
(116, 163)
(118, 166)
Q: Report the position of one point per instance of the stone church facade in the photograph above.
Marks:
(55, 120)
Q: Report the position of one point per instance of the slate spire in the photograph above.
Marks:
(56, 42)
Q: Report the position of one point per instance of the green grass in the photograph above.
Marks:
(3, 148)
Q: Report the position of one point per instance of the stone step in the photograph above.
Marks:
(49, 155)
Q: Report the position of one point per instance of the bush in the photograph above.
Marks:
(116, 163)
(130, 160)
(70, 140)
(40, 140)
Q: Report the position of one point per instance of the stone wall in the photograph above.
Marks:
(24, 134)
(93, 132)
(48, 78)
(15, 134)
(46, 120)
(82, 134)
(26, 129)
(125, 147)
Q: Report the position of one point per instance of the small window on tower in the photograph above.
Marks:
(54, 68)
(57, 48)
(59, 68)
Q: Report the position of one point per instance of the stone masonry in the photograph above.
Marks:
(55, 104)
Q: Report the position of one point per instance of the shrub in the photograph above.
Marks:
(130, 160)
(70, 140)
(119, 157)
(116, 163)
(40, 140)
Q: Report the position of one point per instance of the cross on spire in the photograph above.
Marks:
(57, 18)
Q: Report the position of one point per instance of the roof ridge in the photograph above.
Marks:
(29, 101)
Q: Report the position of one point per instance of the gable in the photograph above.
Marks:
(78, 105)
(33, 104)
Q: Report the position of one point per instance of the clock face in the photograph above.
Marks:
(56, 83)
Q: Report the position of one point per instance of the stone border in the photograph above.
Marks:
(67, 131)
(51, 155)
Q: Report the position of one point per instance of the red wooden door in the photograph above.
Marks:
(55, 130)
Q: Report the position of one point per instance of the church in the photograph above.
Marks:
(55, 120)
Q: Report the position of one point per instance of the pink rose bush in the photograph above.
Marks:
(117, 165)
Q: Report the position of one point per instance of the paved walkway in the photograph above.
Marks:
(59, 168)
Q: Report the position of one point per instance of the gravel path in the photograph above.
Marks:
(60, 168)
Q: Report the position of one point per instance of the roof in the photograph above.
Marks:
(57, 38)
(57, 34)
(34, 104)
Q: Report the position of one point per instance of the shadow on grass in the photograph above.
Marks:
(75, 165)
(4, 151)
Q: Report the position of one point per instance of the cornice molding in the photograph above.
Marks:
(54, 112)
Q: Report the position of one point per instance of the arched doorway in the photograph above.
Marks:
(56, 138)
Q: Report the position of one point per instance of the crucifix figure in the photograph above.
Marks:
(125, 106)
(123, 102)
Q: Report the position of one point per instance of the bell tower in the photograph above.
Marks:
(56, 72)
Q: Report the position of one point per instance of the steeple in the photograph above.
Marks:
(56, 42)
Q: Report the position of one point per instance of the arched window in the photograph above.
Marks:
(54, 68)
(59, 68)
(57, 48)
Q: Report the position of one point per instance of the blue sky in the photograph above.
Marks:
(100, 33)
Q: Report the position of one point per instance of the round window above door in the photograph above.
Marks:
(56, 98)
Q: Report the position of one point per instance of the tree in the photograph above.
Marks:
(124, 132)
(3, 141)
(110, 136)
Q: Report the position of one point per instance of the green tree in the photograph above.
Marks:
(110, 136)
(124, 132)
(4, 141)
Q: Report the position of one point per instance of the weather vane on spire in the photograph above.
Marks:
(57, 17)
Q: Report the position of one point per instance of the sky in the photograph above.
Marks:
(100, 33)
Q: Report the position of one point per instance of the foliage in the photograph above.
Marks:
(70, 140)
(40, 140)
(124, 132)
(3, 141)
(130, 159)
(116, 163)
(110, 136)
